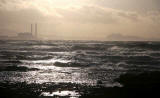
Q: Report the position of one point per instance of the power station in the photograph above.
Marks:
(29, 35)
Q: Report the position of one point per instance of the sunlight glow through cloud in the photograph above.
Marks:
(82, 19)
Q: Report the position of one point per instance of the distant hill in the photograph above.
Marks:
(120, 37)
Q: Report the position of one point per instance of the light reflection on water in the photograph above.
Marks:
(78, 62)
(58, 75)
(66, 68)
(71, 94)
(50, 61)
(49, 73)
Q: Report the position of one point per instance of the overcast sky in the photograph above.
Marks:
(82, 19)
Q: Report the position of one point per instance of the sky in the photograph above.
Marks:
(82, 19)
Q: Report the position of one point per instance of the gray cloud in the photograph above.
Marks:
(88, 14)
(3, 2)
(133, 5)
(130, 16)
(16, 21)
(94, 18)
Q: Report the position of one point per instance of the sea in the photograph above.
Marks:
(88, 63)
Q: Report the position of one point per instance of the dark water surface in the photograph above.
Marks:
(61, 63)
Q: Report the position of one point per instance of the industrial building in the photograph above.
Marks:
(28, 35)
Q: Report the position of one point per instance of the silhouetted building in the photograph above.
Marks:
(36, 34)
(25, 36)
(28, 35)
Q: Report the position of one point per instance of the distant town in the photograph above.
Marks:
(23, 35)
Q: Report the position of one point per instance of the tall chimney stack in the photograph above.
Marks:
(31, 28)
(36, 30)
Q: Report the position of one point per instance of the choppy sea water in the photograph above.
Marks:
(81, 62)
